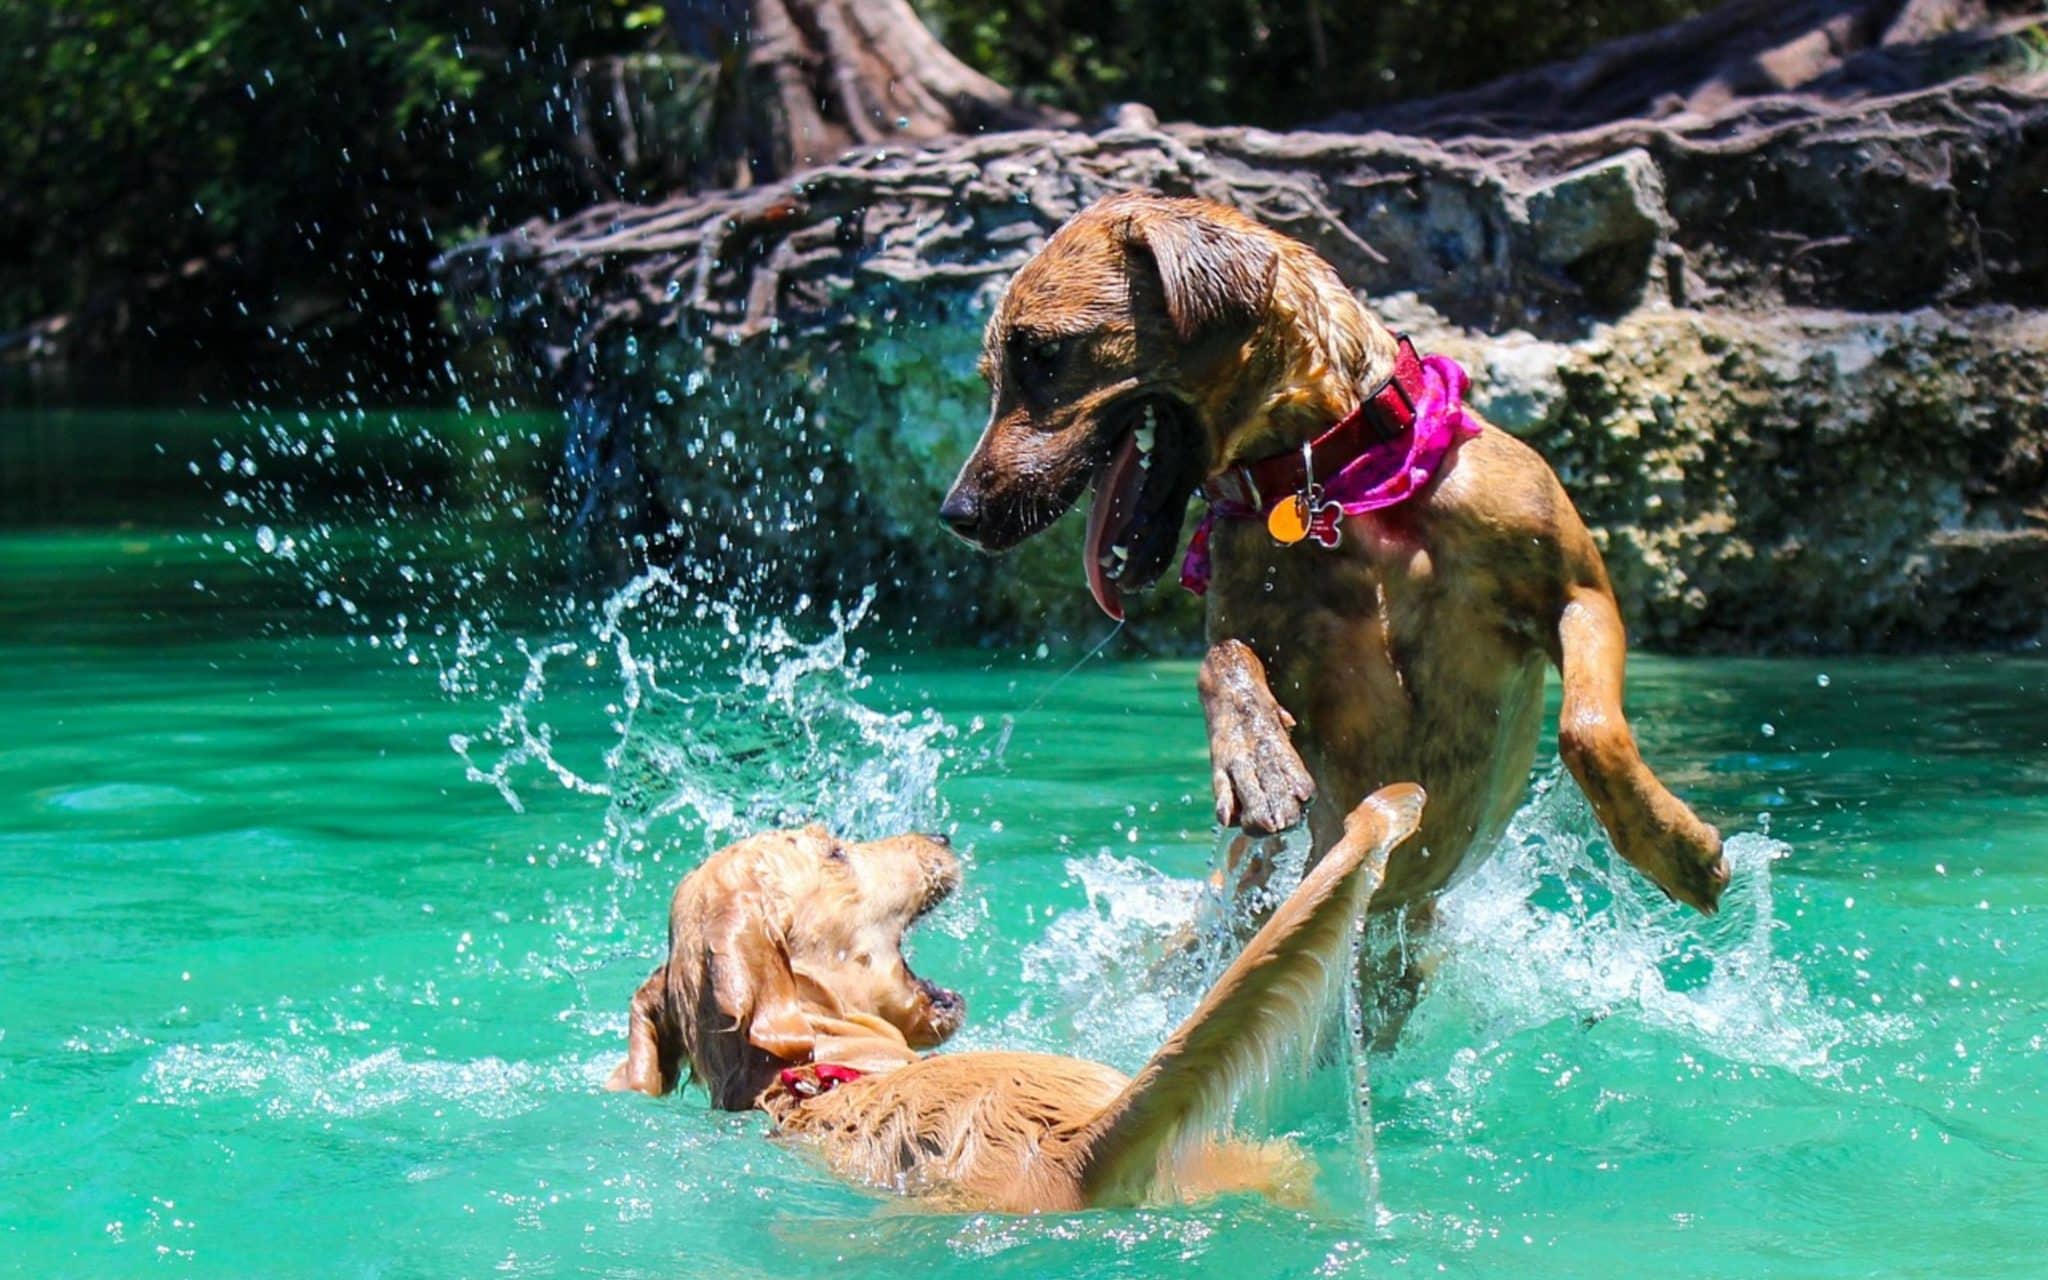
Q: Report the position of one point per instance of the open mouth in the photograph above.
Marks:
(1141, 497)
(938, 888)
(945, 1008)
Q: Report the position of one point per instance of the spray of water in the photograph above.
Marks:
(1556, 928)
(722, 724)
(1552, 930)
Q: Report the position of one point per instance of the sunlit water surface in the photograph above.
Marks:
(317, 938)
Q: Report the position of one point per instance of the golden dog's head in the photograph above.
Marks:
(780, 941)
(1150, 343)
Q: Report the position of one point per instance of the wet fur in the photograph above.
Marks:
(1028, 1132)
(1416, 649)
(777, 943)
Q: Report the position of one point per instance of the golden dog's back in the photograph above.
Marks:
(995, 1130)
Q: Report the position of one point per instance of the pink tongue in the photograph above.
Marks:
(1117, 486)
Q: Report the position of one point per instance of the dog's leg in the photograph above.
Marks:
(1650, 827)
(1261, 784)
(1268, 998)
(1396, 959)
(1247, 867)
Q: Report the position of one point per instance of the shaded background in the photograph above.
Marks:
(223, 199)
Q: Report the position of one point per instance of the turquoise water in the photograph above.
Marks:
(291, 986)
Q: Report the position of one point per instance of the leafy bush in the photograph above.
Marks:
(288, 165)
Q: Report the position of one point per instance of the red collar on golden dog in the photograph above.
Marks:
(814, 1078)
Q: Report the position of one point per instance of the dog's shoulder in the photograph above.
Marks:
(1500, 487)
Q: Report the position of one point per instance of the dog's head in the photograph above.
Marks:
(781, 941)
(1150, 343)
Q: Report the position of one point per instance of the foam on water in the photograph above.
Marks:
(288, 1077)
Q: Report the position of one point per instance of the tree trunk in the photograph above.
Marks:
(805, 80)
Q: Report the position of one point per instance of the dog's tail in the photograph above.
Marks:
(1264, 1002)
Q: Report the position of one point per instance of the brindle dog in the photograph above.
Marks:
(1415, 650)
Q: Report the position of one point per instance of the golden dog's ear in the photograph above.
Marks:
(654, 1041)
(1211, 275)
(752, 984)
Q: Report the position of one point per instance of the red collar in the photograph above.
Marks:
(1386, 415)
(814, 1078)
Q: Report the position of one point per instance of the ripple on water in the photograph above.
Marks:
(119, 797)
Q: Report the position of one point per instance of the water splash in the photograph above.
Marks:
(723, 722)
(1555, 927)
(1117, 976)
(1553, 930)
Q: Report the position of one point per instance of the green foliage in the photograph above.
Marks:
(1272, 62)
(266, 181)
(303, 160)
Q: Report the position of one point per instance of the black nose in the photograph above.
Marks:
(962, 510)
(939, 837)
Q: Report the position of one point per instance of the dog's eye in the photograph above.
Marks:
(1038, 362)
(837, 853)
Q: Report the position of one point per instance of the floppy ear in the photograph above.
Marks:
(1212, 276)
(752, 984)
(654, 1041)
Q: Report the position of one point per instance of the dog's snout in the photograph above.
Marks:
(962, 511)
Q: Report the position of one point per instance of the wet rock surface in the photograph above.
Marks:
(1790, 358)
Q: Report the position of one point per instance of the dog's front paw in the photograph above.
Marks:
(1683, 858)
(1262, 787)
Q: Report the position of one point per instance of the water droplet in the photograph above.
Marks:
(1770, 730)
(1822, 680)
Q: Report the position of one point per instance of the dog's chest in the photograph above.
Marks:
(1393, 581)
(1394, 642)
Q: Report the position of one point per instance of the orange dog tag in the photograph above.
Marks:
(1288, 522)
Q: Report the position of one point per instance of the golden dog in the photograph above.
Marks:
(1159, 345)
(785, 989)
(778, 941)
